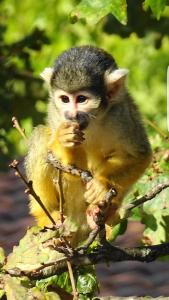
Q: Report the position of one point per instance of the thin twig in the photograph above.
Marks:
(156, 128)
(61, 201)
(86, 176)
(72, 280)
(148, 196)
(30, 189)
(19, 128)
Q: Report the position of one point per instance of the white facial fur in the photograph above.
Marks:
(80, 101)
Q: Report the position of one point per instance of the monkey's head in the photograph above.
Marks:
(83, 82)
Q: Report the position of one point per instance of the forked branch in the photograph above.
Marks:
(30, 189)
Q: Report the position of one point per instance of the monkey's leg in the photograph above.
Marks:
(46, 190)
(42, 176)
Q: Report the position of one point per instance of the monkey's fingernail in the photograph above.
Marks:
(76, 130)
(69, 144)
(79, 139)
(101, 204)
(79, 135)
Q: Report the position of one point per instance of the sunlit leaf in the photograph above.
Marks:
(119, 229)
(2, 256)
(16, 289)
(95, 10)
(86, 281)
(157, 6)
(33, 251)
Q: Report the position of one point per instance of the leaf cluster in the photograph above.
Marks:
(36, 268)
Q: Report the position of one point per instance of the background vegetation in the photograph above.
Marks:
(33, 33)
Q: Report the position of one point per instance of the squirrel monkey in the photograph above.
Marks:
(94, 125)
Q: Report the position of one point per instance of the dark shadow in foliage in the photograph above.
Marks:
(150, 221)
(139, 22)
(19, 88)
(166, 220)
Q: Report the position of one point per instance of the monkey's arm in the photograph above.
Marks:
(41, 174)
(130, 155)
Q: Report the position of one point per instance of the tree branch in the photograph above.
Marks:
(104, 253)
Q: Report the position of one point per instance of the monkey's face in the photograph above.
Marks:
(77, 107)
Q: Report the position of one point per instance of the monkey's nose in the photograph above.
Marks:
(70, 116)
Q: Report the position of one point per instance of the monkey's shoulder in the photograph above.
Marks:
(38, 143)
(40, 134)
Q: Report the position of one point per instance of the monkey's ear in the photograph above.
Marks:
(47, 74)
(115, 80)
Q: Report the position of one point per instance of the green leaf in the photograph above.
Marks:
(33, 251)
(156, 216)
(2, 256)
(15, 289)
(95, 10)
(2, 293)
(157, 6)
(86, 281)
(156, 228)
(18, 289)
(43, 284)
(64, 282)
(52, 296)
(119, 229)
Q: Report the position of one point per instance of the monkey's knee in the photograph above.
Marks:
(43, 220)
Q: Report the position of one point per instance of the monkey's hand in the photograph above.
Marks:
(95, 195)
(96, 190)
(69, 134)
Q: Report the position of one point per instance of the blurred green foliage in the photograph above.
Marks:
(32, 34)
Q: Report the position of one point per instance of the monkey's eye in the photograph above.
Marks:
(81, 98)
(64, 98)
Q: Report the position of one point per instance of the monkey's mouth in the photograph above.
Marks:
(83, 125)
(81, 118)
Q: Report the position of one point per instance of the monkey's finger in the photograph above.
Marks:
(68, 127)
(98, 199)
(90, 197)
(89, 184)
(70, 144)
(95, 196)
(65, 125)
(71, 133)
(71, 138)
(73, 125)
(93, 186)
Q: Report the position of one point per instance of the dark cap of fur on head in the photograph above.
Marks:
(82, 68)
